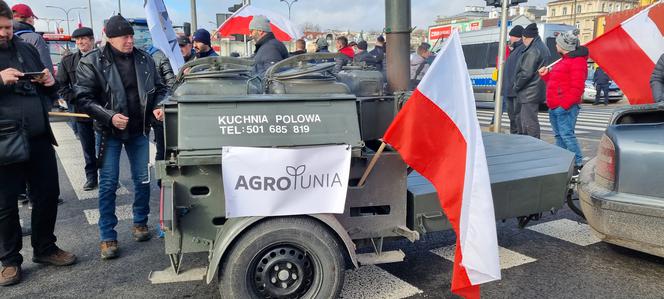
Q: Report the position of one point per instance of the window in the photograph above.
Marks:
(617, 7)
(603, 6)
(564, 11)
(553, 12)
(610, 7)
(578, 8)
(577, 25)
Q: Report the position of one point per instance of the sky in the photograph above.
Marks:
(353, 15)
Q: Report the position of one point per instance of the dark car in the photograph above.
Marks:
(622, 189)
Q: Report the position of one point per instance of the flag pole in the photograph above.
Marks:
(68, 114)
(371, 165)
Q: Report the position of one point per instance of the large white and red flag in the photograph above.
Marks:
(628, 53)
(437, 133)
(238, 23)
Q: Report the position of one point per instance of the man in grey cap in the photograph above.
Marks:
(269, 50)
(66, 77)
(321, 45)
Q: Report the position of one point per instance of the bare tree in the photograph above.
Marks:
(308, 26)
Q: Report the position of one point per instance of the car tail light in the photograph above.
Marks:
(605, 169)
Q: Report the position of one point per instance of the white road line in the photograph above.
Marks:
(376, 283)
(543, 127)
(71, 157)
(122, 212)
(508, 258)
(545, 123)
(567, 230)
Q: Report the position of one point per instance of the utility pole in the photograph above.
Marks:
(194, 24)
(289, 3)
(574, 14)
(90, 10)
(498, 109)
(119, 7)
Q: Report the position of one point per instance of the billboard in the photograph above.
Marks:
(444, 31)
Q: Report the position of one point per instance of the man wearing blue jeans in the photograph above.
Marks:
(563, 123)
(118, 85)
(565, 83)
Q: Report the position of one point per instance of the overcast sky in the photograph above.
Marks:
(329, 14)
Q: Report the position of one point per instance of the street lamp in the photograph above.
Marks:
(66, 11)
(289, 3)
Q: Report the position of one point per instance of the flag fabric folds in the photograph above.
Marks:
(628, 53)
(163, 35)
(238, 23)
(437, 133)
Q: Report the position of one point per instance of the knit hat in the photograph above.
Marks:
(517, 31)
(118, 26)
(260, 23)
(81, 32)
(321, 42)
(531, 30)
(568, 41)
(203, 36)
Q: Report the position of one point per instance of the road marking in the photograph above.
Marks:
(70, 153)
(376, 283)
(567, 230)
(545, 123)
(508, 258)
(122, 212)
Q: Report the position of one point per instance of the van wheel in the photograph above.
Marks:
(286, 257)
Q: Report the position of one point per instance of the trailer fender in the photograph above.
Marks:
(235, 226)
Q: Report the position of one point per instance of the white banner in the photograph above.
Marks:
(163, 35)
(274, 181)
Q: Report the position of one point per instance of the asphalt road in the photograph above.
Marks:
(555, 257)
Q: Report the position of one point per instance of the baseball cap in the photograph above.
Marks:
(23, 11)
(183, 40)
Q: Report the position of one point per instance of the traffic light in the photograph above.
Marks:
(499, 3)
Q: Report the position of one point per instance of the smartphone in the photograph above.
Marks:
(31, 75)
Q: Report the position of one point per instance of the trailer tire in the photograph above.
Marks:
(285, 257)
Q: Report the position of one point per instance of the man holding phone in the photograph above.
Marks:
(26, 154)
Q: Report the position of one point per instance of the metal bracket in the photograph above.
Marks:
(377, 245)
(405, 232)
(176, 262)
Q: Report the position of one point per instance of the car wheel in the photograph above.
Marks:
(286, 257)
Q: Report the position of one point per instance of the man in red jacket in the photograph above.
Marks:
(565, 82)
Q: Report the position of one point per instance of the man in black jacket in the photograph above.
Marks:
(66, 77)
(118, 85)
(529, 88)
(269, 50)
(657, 81)
(509, 96)
(24, 102)
(379, 52)
(602, 82)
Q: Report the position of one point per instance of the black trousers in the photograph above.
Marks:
(529, 121)
(41, 175)
(86, 135)
(513, 111)
(602, 89)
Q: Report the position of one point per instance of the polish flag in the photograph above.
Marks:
(628, 53)
(80, 23)
(238, 23)
(437, 133)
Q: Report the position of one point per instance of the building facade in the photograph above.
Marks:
(584, 14)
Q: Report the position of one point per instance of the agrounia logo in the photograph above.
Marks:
(295, 179)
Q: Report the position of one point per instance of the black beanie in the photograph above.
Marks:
(118, 26)
(517, 31)
(531, 30)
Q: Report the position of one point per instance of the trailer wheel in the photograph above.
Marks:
(287, 257)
